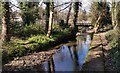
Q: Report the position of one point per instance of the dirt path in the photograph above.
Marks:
(95, 60)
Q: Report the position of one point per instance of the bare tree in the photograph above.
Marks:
(68, 15)
(77, 4)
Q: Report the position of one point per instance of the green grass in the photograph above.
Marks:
(18, 47)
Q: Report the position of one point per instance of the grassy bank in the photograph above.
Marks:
(19, 47)
(113, 38)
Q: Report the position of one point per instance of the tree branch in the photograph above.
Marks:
(61, 4)
(64, 8)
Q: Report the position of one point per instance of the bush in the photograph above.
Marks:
(18, 29)
(56, 29)
(40, 39)
(32, 29)
(112, 37)
(19, 50)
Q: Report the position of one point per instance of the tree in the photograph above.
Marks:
(68, 15)
(118, 18)
(100, 14)
(50, 19)
(5, 35)
(47, 15)
(118, 15)
(114, 14)
(29, 11)
(76, 10)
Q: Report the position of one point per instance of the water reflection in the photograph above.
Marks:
(70, 57)
(76, 58)
(69, 48)
(51, 66)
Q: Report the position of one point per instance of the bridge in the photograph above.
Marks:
(84, 24)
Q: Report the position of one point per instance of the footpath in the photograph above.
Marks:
(95, 60)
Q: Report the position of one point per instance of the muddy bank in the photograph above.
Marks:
(26, 62)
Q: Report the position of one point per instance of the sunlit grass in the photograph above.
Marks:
(19, 47)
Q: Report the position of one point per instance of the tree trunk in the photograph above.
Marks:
(76, 10)
(50, 19)
(47, 16)
(67, 20)
(97, 23)
(101, 16)
(50, 24)
(116, 17)
(113, 14)
(5, 35)
(4, 30)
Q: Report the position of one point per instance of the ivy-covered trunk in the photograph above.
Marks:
(114, 14)
(5, 35)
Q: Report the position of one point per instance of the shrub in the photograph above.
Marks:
(32, 29)
(112, 37)
(18, 50)
(40, 39)
(56, 29)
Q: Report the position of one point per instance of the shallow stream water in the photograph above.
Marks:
(70, 57)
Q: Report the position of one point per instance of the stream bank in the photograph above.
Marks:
(98, 58)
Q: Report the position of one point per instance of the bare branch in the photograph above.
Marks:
(62, 4)
(14, 5)
(64, 8)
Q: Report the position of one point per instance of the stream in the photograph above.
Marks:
(70, 57)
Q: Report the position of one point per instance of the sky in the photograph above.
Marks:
(86, 4)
